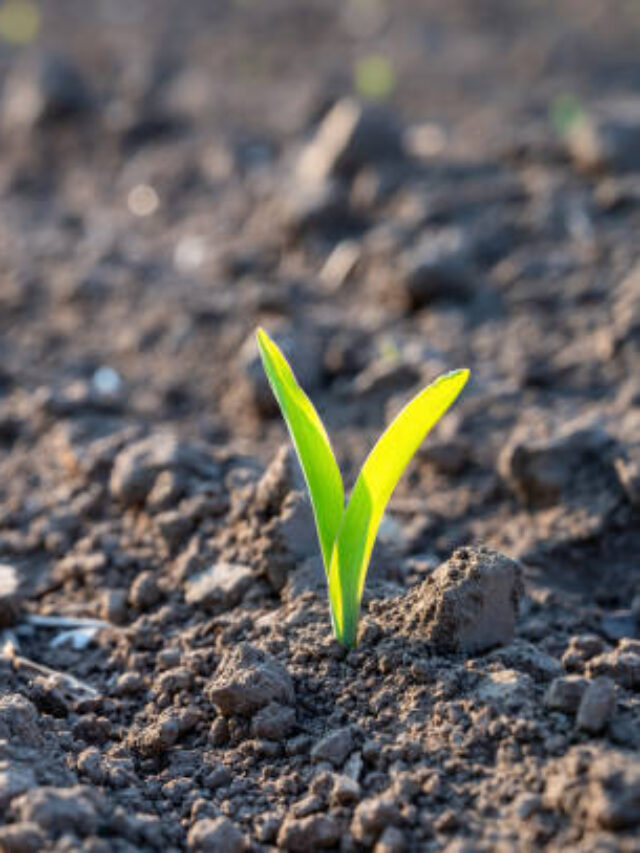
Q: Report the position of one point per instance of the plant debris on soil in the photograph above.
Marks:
(168, 677)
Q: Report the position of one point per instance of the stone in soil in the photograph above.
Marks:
(247, 680)
(114, 607)
(340, 265)
(314, 832)
(335, 746)
(19, 721)
(145, 592)
(218, 588)
(372, 816)
(469, 604)
(138, 466)
(274, 722)
(597, 705)
(345, 791)
(565, 693)
(506, 689)
(161, 735)
(350, 136)
(219, 835)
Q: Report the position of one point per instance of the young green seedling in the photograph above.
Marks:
(347, 535)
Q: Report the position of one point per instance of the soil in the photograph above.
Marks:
(174, 175)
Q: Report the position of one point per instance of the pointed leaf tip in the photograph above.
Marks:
(311, 443)
(261, 337)
(377, 480)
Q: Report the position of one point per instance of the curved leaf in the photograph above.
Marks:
(311, 442)
(375, 484)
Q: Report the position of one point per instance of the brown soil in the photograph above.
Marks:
(173, 175)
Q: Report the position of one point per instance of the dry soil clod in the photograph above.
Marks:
(469, 604)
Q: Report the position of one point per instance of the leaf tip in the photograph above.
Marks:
(464, 374)
(264, 341)
(459, 377)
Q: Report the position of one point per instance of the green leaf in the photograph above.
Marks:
(374, 486)
(311, 442)
(347, 536)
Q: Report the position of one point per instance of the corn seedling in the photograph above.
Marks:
(347, 534)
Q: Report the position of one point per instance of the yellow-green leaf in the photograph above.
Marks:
(374, 486)
(311, 442)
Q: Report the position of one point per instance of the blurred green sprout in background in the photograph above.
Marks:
(19, 22)
(374, 77)
(566, 112)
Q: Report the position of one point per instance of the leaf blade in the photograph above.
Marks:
(375, 484)
(311, 443)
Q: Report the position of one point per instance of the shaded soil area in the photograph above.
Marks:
(169, 180)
